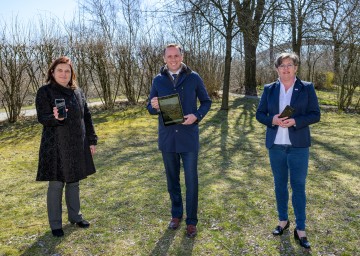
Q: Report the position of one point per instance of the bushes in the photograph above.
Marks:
(323, 80)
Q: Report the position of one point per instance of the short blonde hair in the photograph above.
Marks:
(286, 55)
(178, 46)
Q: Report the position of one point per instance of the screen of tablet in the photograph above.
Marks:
(170, 109)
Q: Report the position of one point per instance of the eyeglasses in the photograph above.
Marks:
(282, 66)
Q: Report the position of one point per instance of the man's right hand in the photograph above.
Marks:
(155, 103)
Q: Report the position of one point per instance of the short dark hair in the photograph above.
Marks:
(174, 45)
(62, 60)
(286, 55)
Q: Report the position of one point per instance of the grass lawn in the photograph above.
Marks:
(127, 203)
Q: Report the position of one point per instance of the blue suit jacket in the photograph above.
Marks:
(190, 87)
(307, 111)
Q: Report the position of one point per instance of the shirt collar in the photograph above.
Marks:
(282, 85)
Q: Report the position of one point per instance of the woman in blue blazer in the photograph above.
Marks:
(288, 139)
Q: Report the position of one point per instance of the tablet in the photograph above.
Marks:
(171, 110)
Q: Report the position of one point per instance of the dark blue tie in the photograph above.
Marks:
(174, 76)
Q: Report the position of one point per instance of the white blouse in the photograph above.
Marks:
(282, 135)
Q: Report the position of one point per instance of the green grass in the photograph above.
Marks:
(327, 97)
(128, 206)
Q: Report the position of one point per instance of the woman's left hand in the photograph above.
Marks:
(92, 149)
(287, 123)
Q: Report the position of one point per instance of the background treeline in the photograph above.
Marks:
(116, 46)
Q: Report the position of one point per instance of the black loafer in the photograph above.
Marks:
(278, 231)
(57, 232)
(302, 240)
(82, 224)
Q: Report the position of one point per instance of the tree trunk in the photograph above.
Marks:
(227, 71)
(226, 86)
(250, 66)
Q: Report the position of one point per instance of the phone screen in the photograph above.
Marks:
(60, 105)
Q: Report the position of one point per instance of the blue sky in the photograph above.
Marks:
(26, 10)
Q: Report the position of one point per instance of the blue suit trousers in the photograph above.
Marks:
(172, 168)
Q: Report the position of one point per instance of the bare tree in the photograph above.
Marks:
(302, 20)
(339, 18)
(100, 70)
(251, 15)
(46, 45)
(349, 80)
(14, 84)
(129, 63)
(220, 15)
(335, 15)
(100, 38)
(150, 58)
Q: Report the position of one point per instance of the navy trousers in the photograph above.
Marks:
(172, 167)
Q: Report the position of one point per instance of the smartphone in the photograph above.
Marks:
(287, 112)
(60, 105)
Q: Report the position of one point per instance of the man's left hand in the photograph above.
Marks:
(189, 119)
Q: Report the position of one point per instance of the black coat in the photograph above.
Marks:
(65, 145)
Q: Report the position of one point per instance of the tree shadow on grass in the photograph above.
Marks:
(47, 243)
(25, 131)
(163, 244)
(187, 245)
(340, 150)
(119, 113)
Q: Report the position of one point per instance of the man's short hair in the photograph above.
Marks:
(174, 45)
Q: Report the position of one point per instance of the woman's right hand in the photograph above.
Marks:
(56, 114)
(278, 120)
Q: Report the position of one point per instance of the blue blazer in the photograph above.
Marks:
(190, 87)
(307, 111)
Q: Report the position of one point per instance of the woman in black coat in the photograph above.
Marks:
(67, 143)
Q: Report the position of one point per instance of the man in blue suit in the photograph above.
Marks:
(180, 141)
(288, 139)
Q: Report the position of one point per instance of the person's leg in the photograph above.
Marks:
(298, 160)
(54, 204)
(72, 198)
(190, 160)
(278, 162)
(172, 169)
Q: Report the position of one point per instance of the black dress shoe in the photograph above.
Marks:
(278, 231)
(57, 232)
(82, 224)
(302, 240)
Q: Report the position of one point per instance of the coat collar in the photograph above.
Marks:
(61, 88)
(184, 69)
